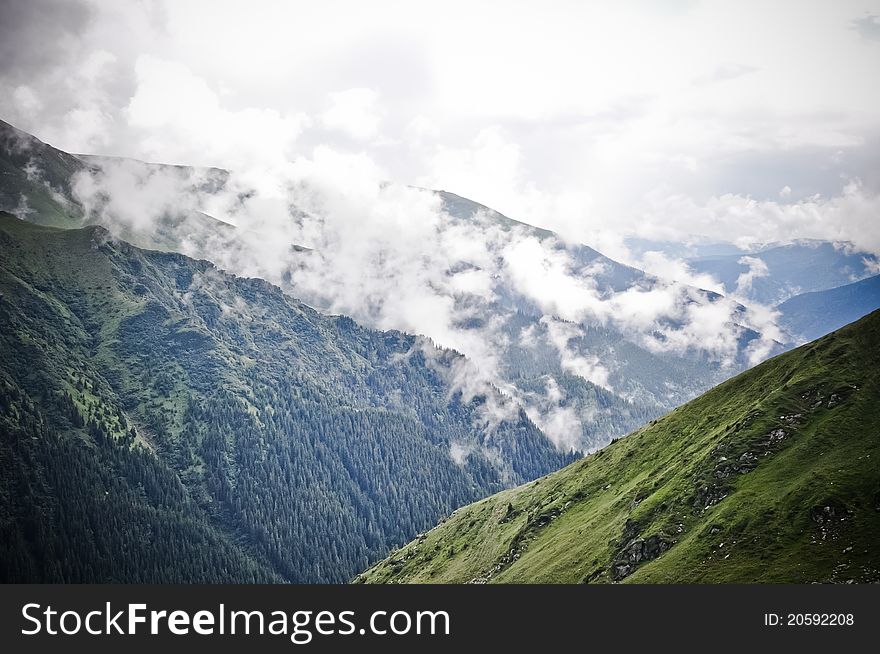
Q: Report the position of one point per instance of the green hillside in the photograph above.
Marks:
(35, 180)
(163, 421)
(773, 476)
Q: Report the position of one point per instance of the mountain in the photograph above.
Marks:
(608, 273)
(35, 180)
(770, 477)
(164, 421)
(811, 315)
(643, 381)
(695, 249)
(543, 360)
(784, 271)
(37, 184)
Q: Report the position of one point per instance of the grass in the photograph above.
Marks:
(705, 494)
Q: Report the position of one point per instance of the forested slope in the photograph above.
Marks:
(164, 421)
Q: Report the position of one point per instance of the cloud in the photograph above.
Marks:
(725, 72)
(182, 119)
(486, 170)
(868, 27)
(562, 423)
(136, 197)
(658, 263)
(587, 367)
(571, 128)
(355, 112)
(746, 221)
(30, 44)
(757, 268)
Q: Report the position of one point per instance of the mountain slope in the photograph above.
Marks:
(643, 381)
(772, 476)
(37, 184)
(614, 276)
(538, 354)
(35, 180)
(800, 267)
(225, 430)
(812, 315)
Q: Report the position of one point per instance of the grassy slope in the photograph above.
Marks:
(37, 178)
(46, 188)
(712, 492)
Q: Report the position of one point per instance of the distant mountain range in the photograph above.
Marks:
(788, 270)
(811, 315)
(770, 477)
(811, 283)
(769, 273)
(166, 420)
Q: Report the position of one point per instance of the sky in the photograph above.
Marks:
(691, 122)
(747, 121)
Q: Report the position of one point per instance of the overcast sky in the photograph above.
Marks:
(737, 120)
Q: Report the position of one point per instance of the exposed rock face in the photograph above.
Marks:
(638, 551)
(708, 495)
(729, 459)
(509, 514)
(831, 516)
(828, 512)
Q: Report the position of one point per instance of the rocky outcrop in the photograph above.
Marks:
(734, 456)
(830, 517)
(638, 551)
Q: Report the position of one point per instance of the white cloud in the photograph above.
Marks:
(26, 100)
(848, 216)
(757, 268)
(355, 112)
(587, 367)
(181, 119)
(657, 263)
(561, 423)
(571, 127)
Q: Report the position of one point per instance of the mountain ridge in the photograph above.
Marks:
(811, 315)
(639, 392)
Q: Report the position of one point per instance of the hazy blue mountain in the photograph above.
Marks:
(697, 249)
(811, 315)
(801, 267)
